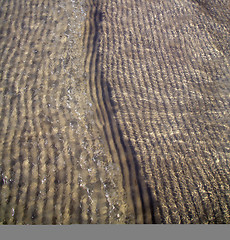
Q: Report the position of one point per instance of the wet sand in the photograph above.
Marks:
(162, 73)
(55, 168)
(114, 111)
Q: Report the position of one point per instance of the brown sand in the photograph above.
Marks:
(120, 116)
(162, 76)
(55, 168)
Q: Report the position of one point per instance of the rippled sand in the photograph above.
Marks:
(162, 79)
(114, 111)
(55, 167)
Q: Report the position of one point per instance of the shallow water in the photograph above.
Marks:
(114, 111)
(54, 166)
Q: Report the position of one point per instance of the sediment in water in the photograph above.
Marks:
(55, 167)
(117, 116)
(162, 79)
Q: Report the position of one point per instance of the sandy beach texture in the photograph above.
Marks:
(114, 111)
(162, 78)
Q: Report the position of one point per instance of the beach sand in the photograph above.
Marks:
(114, 111)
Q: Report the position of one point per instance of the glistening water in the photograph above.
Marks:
(54, 166)
(114, 111)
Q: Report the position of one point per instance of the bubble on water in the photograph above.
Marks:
(13, 212)
(43, 180)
